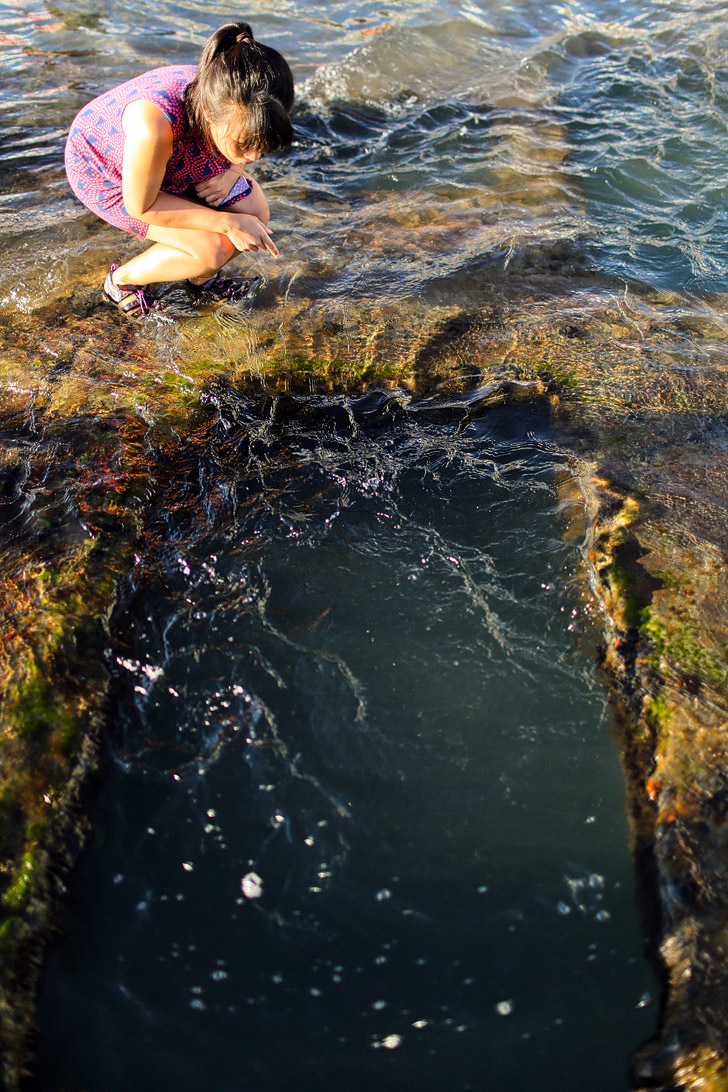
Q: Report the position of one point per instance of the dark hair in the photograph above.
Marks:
(235, 71)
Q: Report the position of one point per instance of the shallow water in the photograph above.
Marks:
(434, 145)
(354, 673)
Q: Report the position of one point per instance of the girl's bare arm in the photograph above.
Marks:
(147, 150)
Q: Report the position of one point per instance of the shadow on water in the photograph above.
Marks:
(358, 823)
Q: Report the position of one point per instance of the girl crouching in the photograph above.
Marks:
(163, 157)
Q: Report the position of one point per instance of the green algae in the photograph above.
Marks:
(667, 578)
(683, 647)
(659, 709)
(17, 894)
(560, 377)
(41, 716)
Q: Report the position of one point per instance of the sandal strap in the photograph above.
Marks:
(146, 304)
(128, 297)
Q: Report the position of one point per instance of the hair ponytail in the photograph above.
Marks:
(236, 71)
(223, 40)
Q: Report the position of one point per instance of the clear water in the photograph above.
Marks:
(364, 822)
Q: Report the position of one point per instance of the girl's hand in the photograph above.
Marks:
(214, 190)
(250, 233)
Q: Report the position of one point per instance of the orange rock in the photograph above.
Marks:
(368, 32)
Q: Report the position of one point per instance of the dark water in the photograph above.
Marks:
(363, 824)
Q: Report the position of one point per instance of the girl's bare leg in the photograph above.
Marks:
(177, 255)
(180, 254)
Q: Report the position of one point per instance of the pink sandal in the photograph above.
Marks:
(129, 298)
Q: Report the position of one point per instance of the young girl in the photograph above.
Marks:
(163, 157)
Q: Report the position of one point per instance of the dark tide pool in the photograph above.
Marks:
(363, 822)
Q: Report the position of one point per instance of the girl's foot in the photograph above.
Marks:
(224, 288)
(129, 298)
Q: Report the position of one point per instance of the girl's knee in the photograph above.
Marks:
(214, 251)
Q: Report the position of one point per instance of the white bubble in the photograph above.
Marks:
(504, 1008)
(188, 866)
(385, 893)
(391, 1042)
(251, 885)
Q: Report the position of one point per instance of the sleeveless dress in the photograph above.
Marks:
(95, 147)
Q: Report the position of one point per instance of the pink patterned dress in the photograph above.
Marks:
(95, 147)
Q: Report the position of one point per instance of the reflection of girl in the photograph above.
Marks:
(163, 156)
